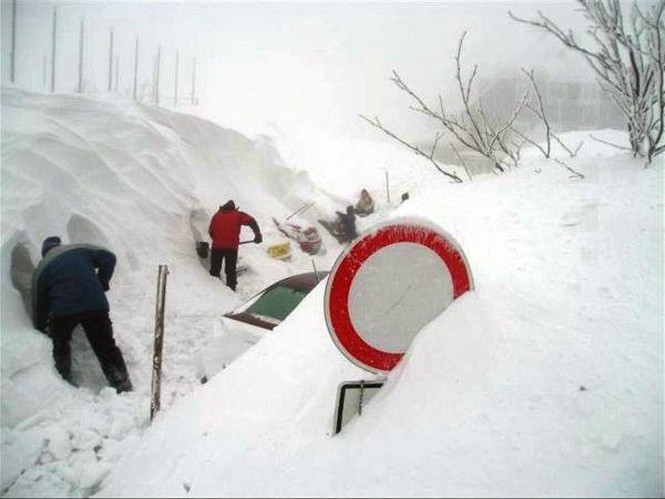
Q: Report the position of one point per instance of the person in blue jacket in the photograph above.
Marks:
(68, 287)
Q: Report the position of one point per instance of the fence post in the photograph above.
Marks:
(12, 72)
(81, 35)
(175, 91)
(193, 80)
(157, 64)
(110, 60)
(44, 72)
(136, 65)
(159, 341)
(53, 47)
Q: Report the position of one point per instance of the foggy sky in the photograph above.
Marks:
(319, 63)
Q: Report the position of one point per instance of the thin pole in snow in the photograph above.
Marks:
(175, 92)
(111, 60)
(387, 187)
(136, 64)
(159, 341)
(316, 272)
(193, 81)
(12, 72)
(80, 88)
(157, 64)
(55, 29)
(302, 209)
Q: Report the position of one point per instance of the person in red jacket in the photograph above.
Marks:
(224, 231)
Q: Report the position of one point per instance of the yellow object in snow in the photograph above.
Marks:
(280, 251)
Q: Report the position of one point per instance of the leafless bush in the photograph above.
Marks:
(539, 112)
(499, 140)
(472, 127)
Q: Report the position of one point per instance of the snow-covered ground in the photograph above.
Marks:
(545, 380)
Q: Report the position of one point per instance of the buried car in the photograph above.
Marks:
(248, 323)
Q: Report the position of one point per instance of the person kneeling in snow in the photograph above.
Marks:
(224, 231)
(346, 225)
(365, 205)
(68, 288)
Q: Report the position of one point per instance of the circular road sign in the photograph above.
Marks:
(387, 285)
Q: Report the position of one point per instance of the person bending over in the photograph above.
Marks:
(68, 287)
(224, 231)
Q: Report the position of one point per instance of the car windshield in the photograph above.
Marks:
(278, 303)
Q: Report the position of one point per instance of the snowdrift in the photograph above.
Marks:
(545, 380)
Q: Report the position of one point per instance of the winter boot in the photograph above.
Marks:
(124, 386)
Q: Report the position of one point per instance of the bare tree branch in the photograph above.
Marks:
(377, 124)
(472, 127)
(570, 152)
(623, 148)
(575, 173)
(628, 58)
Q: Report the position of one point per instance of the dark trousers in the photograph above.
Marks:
(99, 331)
(230, 258)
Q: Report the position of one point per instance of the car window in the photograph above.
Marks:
(278, 303)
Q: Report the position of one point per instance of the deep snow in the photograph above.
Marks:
(545, 380)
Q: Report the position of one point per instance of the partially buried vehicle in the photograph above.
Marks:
(251, 321)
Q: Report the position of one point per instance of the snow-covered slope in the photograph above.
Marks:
(144, 183)
(546, 380)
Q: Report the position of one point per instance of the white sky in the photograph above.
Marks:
(289, 62)
(546, 380)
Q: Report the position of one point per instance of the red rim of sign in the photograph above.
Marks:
(338, 318)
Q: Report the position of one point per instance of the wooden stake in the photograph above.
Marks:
(159, 341)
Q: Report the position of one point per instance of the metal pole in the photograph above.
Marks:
(302, 208)
(12, 72)
(81, 60)
(157, 63)
(136, 65)
(55, 27)
(193, 79)
(316, 272)
(387, 187)
(360, 397)
(159, 341)
(175, 91)
(110, 59)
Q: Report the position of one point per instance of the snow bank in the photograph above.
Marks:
(546, 380)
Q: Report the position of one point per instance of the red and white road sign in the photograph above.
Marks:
(387, 285)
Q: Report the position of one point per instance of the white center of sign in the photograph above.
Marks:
(397, 291)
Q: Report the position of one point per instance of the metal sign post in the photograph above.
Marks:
(159, 341)
(351, 395)
(382, 290)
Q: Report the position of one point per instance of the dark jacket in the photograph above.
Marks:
(225, 226)
(347, 222)
(71, 279)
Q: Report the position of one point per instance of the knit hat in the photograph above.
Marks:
(230, 205)
(50, 243)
